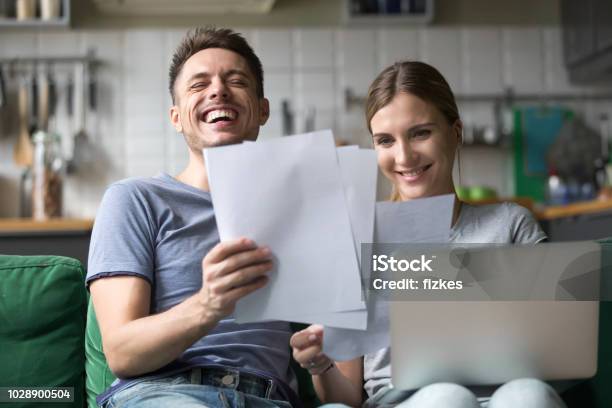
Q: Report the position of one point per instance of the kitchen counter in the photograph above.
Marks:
(10, 226)
(571, 210)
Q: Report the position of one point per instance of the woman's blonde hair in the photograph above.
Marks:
(415, 78)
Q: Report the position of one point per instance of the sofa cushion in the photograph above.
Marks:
(99, 376)
(42, 323)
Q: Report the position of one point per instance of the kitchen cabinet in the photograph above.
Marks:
(578, 31)
(603, 24)
(65, 237)
(576, 222)
(587, 39)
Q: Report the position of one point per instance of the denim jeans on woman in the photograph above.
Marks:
(523, 393)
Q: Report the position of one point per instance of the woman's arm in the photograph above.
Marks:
(334, 382)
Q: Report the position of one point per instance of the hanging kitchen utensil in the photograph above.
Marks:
(92, 91)
(81, 155)
(23, 148)
(2, 89)
(52, 92)
(33, 99)
(43, 104)
(70, 96)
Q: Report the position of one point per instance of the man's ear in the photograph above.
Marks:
(175, 118)
(264, 111)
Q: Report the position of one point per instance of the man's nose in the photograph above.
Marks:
(218, 89)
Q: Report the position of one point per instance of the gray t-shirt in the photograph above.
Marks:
(159, 229)
(496, 223)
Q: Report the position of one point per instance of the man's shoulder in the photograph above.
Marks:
(143, 187)
(135, 183)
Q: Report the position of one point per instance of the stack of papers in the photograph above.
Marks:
(313, 205)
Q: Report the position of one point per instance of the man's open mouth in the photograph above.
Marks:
(220, 115)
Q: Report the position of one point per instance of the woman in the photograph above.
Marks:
(414, 121)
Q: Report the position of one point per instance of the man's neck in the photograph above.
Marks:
(195, 173)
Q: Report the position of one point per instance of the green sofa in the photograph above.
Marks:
(49, 336)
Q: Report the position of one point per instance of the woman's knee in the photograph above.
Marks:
(527, 393)
(442, 395)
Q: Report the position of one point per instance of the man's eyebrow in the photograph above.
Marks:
(198, 75)
(235, 71)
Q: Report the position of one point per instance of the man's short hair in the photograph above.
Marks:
(202, 38)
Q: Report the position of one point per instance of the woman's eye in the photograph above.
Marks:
(384, 141)
(422, 133)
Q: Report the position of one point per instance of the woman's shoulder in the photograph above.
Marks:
(505, 210)
(501, 222)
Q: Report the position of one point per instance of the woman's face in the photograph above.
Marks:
(415, 146)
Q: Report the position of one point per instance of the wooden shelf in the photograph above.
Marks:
(571, 210)
(27, 225)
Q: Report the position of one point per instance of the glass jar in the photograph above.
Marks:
(47, 176)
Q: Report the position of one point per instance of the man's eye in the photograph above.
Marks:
(238, 82)
(198, 85)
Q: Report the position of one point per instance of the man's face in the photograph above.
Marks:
(216, 100)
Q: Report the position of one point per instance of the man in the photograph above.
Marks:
(163, 287)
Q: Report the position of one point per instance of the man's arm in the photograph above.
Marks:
(136, 342)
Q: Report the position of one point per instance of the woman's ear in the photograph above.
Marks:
(458, 130)
(264, 111)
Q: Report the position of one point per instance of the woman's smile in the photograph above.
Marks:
(413, 175)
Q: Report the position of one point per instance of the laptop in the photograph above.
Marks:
(486, 343)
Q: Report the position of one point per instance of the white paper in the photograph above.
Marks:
(426, 220)
(287, 194)
(359, 173)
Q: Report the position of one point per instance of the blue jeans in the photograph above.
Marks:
(187, 390)
(521, 393)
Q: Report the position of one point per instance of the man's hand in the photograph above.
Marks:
(232, 270)
(308, 350)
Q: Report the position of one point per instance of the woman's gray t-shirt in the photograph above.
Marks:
(504, 223)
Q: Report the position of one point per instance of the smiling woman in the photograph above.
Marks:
(416, 129)
(416, 132)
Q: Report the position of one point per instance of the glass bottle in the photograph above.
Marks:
(47, 176)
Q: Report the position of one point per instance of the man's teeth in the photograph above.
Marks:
(219, 113)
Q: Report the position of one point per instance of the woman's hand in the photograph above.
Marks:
(308, 350)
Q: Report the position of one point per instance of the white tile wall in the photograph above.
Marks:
(132, 135)
(441, 47)
(523, 65)
(481, 61)
(397, 44)
(274, 48)
(313, 48)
